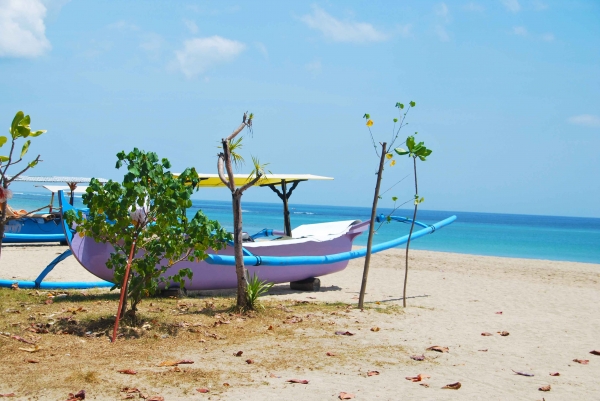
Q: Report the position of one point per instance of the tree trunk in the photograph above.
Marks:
(363, 286)
(412, 226)
(240, 270)
(2, 223)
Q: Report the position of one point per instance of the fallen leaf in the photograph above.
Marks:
(545, 388)
(80, 395)
(424, 384)
(226, 384)
(499, 313)
(239, 353)
(503, 333)
(417, 357)
(8, 395)
(34, 349)
(274, 376)
(485, 333)
(438, 348)
(127, 371)
(418, 378)
(372, 373)
(344, 333)
(554, 374)
(345, 396)
(331, 354)
(130, 390)
(375, 329)
(249, 361)
(581, 361)
(270, 328)
(175, 362)
(523, 373)
(176, 369)
(453, 386)
(155, 398)
(31, 361)
(23, 340)
(300, 381)
(202, 390)
(595, 352)
(483, 350)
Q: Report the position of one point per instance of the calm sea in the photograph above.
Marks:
(574, 239)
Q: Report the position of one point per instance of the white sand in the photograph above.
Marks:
(549, 308)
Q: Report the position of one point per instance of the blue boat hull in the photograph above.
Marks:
(33, 229)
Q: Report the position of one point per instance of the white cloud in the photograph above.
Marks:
(520, 31)
(443, 17)
(191, 25)
(472, 6)
(441, 33)
(200, 54)
(22, 28)
(512, 5)
(262, 49)
(342, 31)
(548, 37)
(586, 120)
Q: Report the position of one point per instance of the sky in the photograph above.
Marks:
(507, 94)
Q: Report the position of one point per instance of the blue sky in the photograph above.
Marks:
(507, 93)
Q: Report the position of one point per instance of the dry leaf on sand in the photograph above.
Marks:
(523, 373)
(249, 361)
(127, 371)
(372, 373)
(299, 381)
(202, 390)
(34, 349)
(345, 396)
(581, 361)
(175, 362)
(545, 388)
(155, 398)
(239, 353)
(453, 386)
(344, 333)
(417, 357)
(486, 334)
(80, 395)
(375, 329)
(418, 378)
(274, 376)
(8, 395)
(438, 348)
(595, 352)
(503, 333)
(331, 354)
(554, 374)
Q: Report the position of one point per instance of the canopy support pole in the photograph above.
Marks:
(284, 197)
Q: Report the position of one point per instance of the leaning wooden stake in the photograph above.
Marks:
(123, 291)
(412, 226)
(363, 286)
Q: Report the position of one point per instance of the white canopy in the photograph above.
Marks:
(78, 180)
(55, 188)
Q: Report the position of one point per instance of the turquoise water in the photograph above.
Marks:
(574, 239)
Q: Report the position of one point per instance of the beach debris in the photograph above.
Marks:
(499, 313)
(36, 348)
(523, 373)
(331, 354)
(270, 328)
(372, 373)
(554, 374)
(273, 375)
(127, 371)
(344, 333)
(202, 390)
(226, 384)
(453, 386)
(483, 350)
(156, 398)
(176, 369)
(503, 333)
(545, 388)
(375, 329)
(80, 395)
(293, 319)
(581, 361)
(32, 361)
(175, 362)
(424, 384)
(345, 396)
(239, 353)
(299, 381)
(23, 340)
(8, 395)
(249, 361)
(595, 352)
(418, 378)
(417, 357)
(14, 286)
(485, 334)
(438, 348)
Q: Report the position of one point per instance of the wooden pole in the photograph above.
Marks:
(123, 291)
(363, 286)
(286, 211)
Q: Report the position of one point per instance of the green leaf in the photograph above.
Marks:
(15, 122)
(412, 104)
(395, 120)
(367, 116)
(23, 131)
(33, 163)
(399, 105)
(394, 198)
(3, 140)
(401, 151)
(25, 148)
(410, 143)
(37, 133)
(3, 159)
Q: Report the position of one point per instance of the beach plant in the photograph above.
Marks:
(421, 152)
(19, 130)
(227, 159)
(256, 288)
(145, 217)
(384, 157)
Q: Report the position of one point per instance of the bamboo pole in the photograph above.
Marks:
(123, 291)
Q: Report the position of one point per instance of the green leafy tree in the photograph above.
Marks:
(416, 151)
(19, 129)
(145, 215)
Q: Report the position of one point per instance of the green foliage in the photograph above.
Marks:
(148, 208)
(19, 128)
(414, 149)
(256, 288)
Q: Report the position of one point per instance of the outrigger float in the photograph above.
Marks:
(308, 251)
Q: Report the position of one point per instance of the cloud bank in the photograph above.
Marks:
(200, 54)
(22, 28)
(586, 120)
(342, 31)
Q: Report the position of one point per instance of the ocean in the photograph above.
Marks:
(575, 239)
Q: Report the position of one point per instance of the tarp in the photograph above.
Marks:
(213, 180)
(55, 188)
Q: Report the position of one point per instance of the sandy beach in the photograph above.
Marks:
(549, 309)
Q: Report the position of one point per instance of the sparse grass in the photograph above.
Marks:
(73, 335)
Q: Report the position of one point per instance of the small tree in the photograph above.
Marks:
(18, 129)
(415, 150)
(145, 217)
(226, 160)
